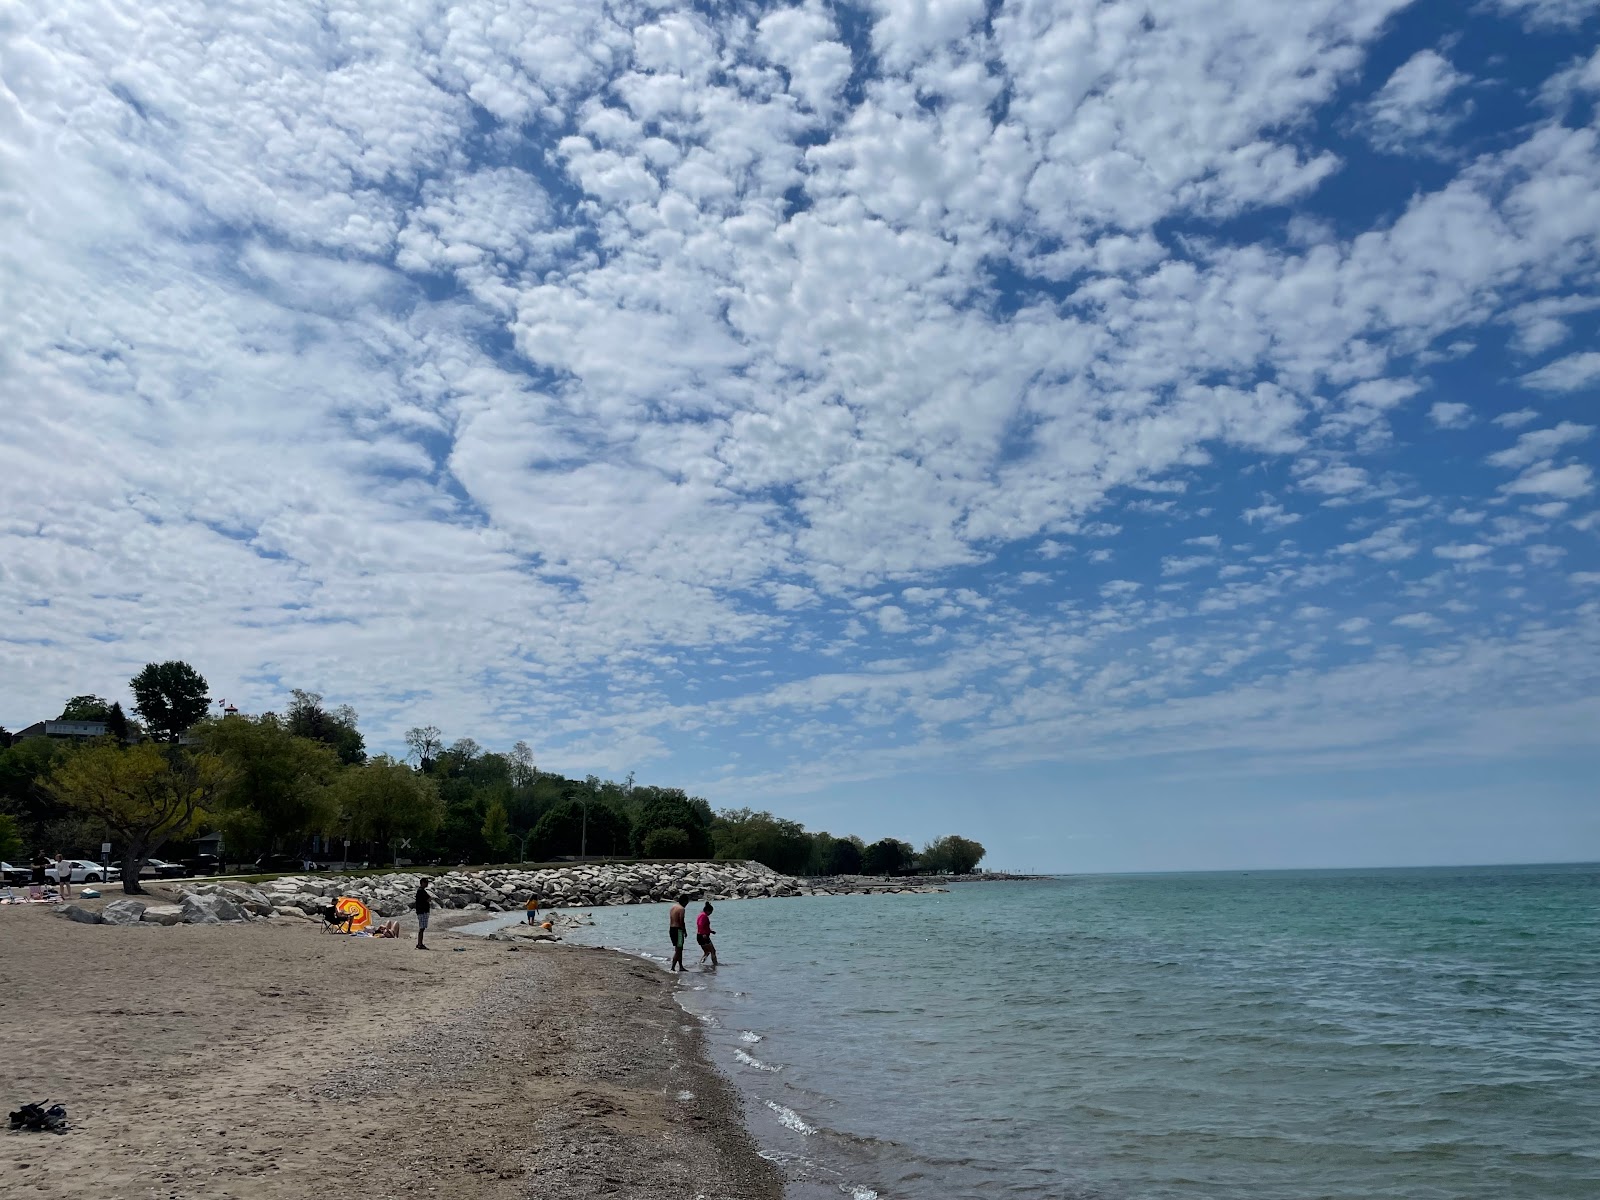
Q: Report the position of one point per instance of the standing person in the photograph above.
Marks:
(63, 877)
(424, 907)
(678, 931)
(702, 934)
(40, 866)
(533, 910)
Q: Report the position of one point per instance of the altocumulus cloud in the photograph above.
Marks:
(745, 393)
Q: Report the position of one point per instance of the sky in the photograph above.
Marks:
(1137, 436)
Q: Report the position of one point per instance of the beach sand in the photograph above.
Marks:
(268, 1060)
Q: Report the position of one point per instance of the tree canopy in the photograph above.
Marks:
(85, 708)
(951, 856)
(170, 698)
(146, 794)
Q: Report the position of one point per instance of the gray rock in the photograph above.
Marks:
(162, 914)
(75, 912)
(122, 912)
(210, 910)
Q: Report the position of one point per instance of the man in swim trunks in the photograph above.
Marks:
(678, 931)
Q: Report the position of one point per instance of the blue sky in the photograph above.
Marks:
(1140, 437)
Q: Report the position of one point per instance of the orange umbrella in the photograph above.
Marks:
(360, 915)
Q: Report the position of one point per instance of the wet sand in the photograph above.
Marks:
(269, 1061)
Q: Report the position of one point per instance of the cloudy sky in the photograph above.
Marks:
(1136, 435)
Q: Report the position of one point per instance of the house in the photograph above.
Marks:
(61, 729)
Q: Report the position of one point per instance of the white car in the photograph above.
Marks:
(79, 870)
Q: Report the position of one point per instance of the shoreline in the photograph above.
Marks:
(267, 1060)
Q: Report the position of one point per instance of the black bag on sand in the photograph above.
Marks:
(41, 1119)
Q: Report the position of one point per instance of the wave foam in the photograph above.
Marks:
(790, 1119)
(751, 1061)
(746, 1036)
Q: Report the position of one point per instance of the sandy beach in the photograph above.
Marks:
(268, 1060)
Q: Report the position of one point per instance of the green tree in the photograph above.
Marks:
(888, 857)
(387, 802)
(563, 830)
(308, 718)
(24, 769)
(280, 783)
(667, 841)
(672, 809)
(145, 795)
(952, 855)
(424, 742)
(497, 828)
(117, 723)
(743, 834)
(523, 771)
(10, 838)
(169, 697)
(85, 708)
(845, 857)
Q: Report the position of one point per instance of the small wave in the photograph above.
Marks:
(746, 1036)
(856, 1192)
(749, 1061)
(790, 1119)
(707, 1019)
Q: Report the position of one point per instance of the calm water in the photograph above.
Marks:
(1398, 1034)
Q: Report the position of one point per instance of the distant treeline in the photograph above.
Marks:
(300, 783)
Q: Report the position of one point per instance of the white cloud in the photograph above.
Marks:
(1462, 552)
(1567, 482)
(1541, 443)
(1411, 110)
(1517, 419)
(1566, 374)
(1447, 415)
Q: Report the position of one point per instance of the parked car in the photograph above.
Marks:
(15, 875)
(148, 871)
(79, 870)
(165, 869)
(203, 864)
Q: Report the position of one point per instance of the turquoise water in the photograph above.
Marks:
(1352, 1034)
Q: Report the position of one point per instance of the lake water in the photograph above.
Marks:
(1409, 1034)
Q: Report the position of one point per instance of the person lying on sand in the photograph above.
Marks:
(389, 929)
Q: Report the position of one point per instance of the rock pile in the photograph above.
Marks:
(587, 885)
(501, 889)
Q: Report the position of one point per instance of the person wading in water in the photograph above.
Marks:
(678, 931)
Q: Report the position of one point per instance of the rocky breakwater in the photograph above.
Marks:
(501, 889)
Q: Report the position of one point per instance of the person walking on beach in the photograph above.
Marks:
(424, 907)
(702, 934)
(63, 877)
(533, 910)
(678, 931)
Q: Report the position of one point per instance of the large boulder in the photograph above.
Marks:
(162, 914)
(210, 910)
(123, 912)
(248, 899)
(76, 912)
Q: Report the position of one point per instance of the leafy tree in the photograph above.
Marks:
(671, 809)
(520, 758)
(5, 738)
(497, 828)
(844, 857)
(742, 833)
(117, 723)
(169, 697)
(307, 718)
(279, 787)
(888, 857)
(10, 838)
(24, 768)
(85, 708)
(145, 795)
(952, 855)
(424, 742)
(386, 801)
(561, 830)
(667, 841)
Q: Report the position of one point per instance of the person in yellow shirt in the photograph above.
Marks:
(533, 910)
